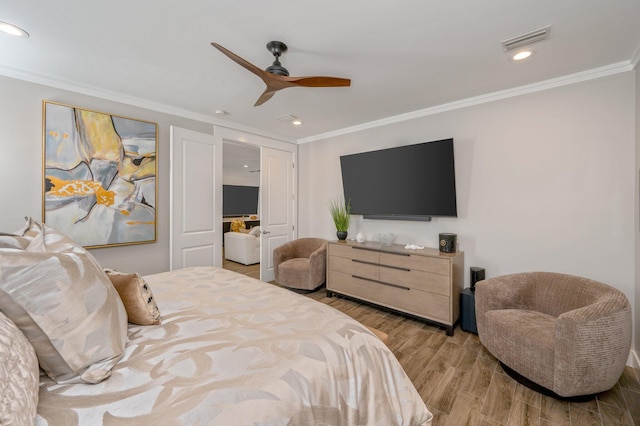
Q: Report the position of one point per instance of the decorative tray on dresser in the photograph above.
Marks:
(422, 283)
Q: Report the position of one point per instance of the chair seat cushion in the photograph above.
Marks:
(294, 273)
(523, 340)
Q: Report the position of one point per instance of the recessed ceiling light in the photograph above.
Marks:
(12, 30)
(524, 54)
(246, 166)
(297, 122)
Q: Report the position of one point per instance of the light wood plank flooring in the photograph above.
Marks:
(252, 271)
(463, 384)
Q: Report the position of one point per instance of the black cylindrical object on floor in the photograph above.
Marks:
(468, 311)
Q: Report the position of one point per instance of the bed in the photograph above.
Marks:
(234, 350)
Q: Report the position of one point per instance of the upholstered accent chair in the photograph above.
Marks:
(301, 263)
(566, 336)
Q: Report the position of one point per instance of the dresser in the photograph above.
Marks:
(422, 283)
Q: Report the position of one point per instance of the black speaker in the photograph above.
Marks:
(477, 274)
(468, 311)
(447, 243)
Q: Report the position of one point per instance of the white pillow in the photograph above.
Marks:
(255, 231)
(59, 297)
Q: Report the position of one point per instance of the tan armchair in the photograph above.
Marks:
(569, 335)
(301, 263)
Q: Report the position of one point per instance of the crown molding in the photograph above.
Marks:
(582, 76)
(131, 100)
(591, 74)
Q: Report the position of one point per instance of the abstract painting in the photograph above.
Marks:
(99, 176)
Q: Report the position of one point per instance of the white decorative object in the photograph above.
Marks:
(413, 247)
(360, 237)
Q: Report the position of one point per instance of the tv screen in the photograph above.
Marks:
(412, 182)
(239, 200)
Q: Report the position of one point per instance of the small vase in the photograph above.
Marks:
(342, 235)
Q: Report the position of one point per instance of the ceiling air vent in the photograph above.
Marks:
(528, 38)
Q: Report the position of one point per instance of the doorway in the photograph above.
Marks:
(196, 196)
(240, 208)
(277, 210)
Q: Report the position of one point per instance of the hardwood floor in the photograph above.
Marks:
(463, 384)
(252, 271)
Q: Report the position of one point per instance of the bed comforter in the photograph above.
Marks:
(232, 350)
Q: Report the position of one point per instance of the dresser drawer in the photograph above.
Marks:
(354, 253)
(416, 279)
(351, 286)
(353, 267)
(414, 261)
(420, 303)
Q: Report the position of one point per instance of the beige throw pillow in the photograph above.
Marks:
(63, 302)
(137, 297)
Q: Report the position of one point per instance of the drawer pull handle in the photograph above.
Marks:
(364, 262)
(379, 250)
(381, 282)
(379, 264)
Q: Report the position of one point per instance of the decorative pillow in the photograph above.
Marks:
(255, 231)
(19, 376)
(137, 297)
(63, 302)
(237, 225)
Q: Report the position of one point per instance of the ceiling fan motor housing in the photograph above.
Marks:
(277, 48)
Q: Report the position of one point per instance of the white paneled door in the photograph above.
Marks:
(277, 210)
(196, 199)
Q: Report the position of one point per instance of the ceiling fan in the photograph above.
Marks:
(276, 77)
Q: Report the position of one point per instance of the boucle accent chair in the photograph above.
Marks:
(569, 335)
(301, 263)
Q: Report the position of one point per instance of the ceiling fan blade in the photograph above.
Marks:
(242, 62)
(320, 81)
(266, 95)
(275, 80)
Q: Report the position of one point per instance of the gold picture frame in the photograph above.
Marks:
(99, 176)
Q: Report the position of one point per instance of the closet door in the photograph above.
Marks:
(196, 199)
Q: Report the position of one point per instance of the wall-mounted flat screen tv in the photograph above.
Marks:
(411, 182)
(238, 200)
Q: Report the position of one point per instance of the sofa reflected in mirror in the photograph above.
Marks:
(243, 247)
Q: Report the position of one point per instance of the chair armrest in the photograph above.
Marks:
(606, 322)
(319, 255)
(318, 266)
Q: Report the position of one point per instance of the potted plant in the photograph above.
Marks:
(341, 215)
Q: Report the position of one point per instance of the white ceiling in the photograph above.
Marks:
(402, 56)
(240, 164)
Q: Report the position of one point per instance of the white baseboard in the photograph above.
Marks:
(634, 362)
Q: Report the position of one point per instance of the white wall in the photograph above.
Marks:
(545, 181)
(21, 166)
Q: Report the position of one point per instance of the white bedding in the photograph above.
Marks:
(232, 350)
